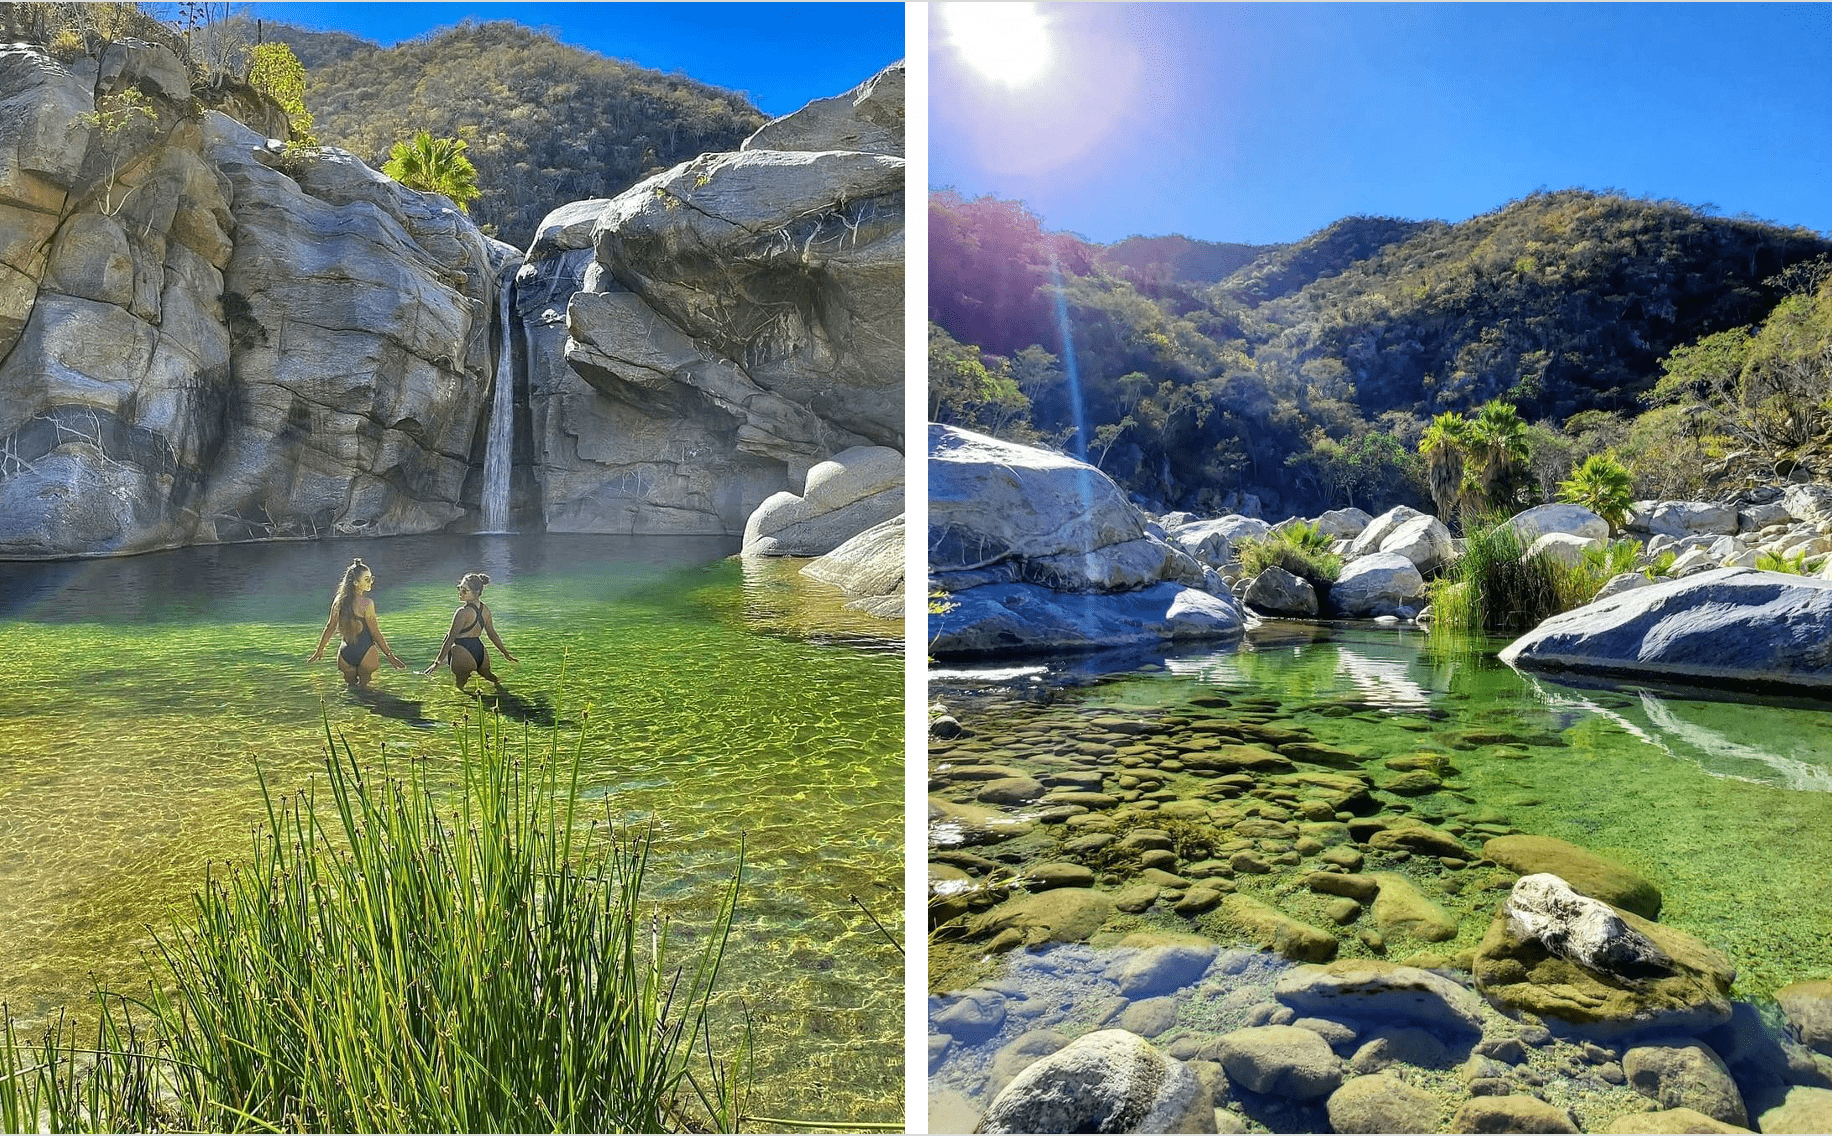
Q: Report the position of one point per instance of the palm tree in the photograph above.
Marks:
(435, 165)
(1601, 485)
(1445, 445)
(1498, 441)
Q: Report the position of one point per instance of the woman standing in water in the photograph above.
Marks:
(463, 644)
(353, 617)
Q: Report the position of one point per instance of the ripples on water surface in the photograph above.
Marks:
(140, 692)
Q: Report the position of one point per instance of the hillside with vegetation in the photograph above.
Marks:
(1309, 374)
(544, 123)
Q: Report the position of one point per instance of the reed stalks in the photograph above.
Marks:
(382, 962)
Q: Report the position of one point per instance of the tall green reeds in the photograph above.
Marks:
(1496, 587)
(385, 963)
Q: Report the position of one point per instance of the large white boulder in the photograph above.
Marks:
(1724, 624)
(1566, 548)
(1377, 584)
(841, 497)
(1558, 517)
(1212, 542)
(1423, 540)
(1380, 528)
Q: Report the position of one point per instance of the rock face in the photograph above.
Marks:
(1738, 624)
(700, 342)
(1377, 584)
(200, 347)
(1107, 1081)
(1040, 551)
(206, 339)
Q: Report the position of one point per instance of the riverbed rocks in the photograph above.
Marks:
(1107, 1081)
(1596, 876)
(1682, 1073)
(1808, 1008)
(1611, 973)
(1727, 624)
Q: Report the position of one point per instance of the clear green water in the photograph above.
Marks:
(1724, 800)
(138, 695)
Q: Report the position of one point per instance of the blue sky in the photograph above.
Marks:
(1264, 123)
(781, 55)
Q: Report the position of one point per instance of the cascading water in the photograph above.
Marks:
(500, 442)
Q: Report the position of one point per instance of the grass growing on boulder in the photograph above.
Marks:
(385, 962)
(1300, 549)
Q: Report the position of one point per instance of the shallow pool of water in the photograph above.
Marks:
(141, 693)
(1724, 801)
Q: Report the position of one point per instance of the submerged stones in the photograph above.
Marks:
(1685, 994)
(1369, 989)
(1586, 872)
(1107, 1081)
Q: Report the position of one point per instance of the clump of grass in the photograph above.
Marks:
(381, 963)
(1495, 587)
(1795, 565)
(1299, 549)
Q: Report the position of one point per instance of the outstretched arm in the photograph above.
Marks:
(445, 648)
(489, 626)
(330, 625)
(375, 629)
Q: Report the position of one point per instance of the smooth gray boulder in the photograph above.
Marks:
(1377, 584)
(1686, 518)
(1378, 529)
(841, 497)
(1683, 1073)
(1381, 1103)
(1106, 1081)
(1344, 524)
(869, 567)
(1278, 592)
(1737, 624)
(1423, 540)
(1557, 517)
(1212, 542)
(1373, 990)
(1037, 551)
(1808, 1008)
(1565, 548)
(1287, 1060)
(1809, 503)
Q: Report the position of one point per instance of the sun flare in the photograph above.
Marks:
(1006, 43)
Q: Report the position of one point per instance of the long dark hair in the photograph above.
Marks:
(346, 590)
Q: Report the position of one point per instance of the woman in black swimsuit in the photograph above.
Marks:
(463, 644)
(353, 617)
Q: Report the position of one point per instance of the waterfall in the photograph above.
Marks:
(500, 442)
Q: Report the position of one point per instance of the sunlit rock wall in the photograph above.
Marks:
(699, 342)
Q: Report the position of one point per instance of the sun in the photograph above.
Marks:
(1006, 43)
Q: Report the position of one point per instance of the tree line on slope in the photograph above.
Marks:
(1310, 374)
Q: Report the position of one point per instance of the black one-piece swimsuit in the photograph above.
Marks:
(472, 643)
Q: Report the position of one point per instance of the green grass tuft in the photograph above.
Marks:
(1299, 549)
(382, 962)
